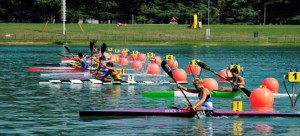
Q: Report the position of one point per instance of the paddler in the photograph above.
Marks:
(205, 100)
(238, 81)
(112, 71)
(81, 60)
(100, 70)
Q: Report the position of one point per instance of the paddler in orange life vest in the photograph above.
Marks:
(81, 60)
(205, 100)
(112, 71)
(237, 80)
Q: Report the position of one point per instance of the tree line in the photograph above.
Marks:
(153, 11)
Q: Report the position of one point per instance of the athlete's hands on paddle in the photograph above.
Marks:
(181, 87)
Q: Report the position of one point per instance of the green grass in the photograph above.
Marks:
(139, 34)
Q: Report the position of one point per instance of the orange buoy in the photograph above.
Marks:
(172, 64)
(261, 97)
(271, 83)
(123, 61)
(225, 73)
(193, 69)
(179, 75)
(132, 57)
(123, 53)
(210, 84)
(142, 57)
(153, 68)
(262, 109)
(136, 65)
(156, 60)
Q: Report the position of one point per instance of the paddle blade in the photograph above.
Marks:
(103, 48)
(202, 65)
(246, 91)
(67, 48)
(167, 69)
(91, 46)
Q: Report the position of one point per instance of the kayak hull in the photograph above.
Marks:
(138, 112)
(181, 113)
(169, 94)
(215, 93)
(38, 69)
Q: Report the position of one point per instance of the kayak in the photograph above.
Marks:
(216, 93)
(57, 64)
(88, 74)
(181, 113)
(84, 74)
(97, 81)
(39, 69)
(66, 68)
(138, 112)
(67, 58)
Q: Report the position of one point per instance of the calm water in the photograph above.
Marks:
(28, 108)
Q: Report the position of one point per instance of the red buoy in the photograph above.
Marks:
(262, 109)
(261, 97)
(132, 57)
(136, 65)
(142, 57)
(210, 84)
(153, 68)
(156, 60)
(193, 69)
(179, 75)
(271, 83)
(123, 61)
(225, 73)
(123, 53)
(173, 64)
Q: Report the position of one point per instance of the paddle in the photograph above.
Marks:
(167, 69)
(68, 50)
(91, 49)
(103, 48)
(202, 65)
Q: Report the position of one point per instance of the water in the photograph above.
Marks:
(31, 109)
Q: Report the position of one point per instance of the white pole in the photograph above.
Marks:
(132, 19)
(208, 12)
(64, 17)
(207, 33)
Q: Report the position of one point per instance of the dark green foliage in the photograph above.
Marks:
(153, 11)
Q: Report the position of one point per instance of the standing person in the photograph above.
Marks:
(112, 71)
(205, 100)
(81, 60)
(238, 81)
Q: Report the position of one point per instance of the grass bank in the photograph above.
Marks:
(156, 34)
